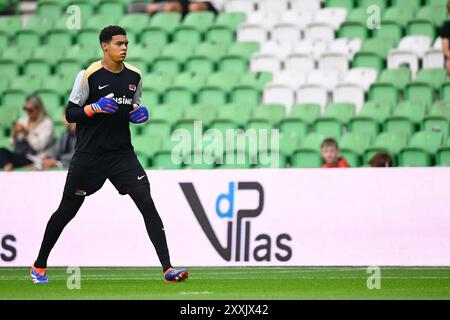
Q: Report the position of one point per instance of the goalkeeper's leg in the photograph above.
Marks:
(68, 208)
(153, 223)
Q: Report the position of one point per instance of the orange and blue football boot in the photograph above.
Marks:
(173, 275)
(38, 275)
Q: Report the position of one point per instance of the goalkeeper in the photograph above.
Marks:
(104, 99)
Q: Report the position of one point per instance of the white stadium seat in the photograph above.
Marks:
(361, 76)
(277, 7)
(265, 63)
(332, 16)
(313, 47)
(300, 19)
(292, 79)
(249, 32)
(433, 58)
(319, 31)
(334, 61)
(274, 93)
(349, 93)
(329, 79)
(305, 5)
(309, 93)
(246, 6)
(299, 62)
(438, 43)
(288, 33)
(279, 49)
(265, 19)
(417, 44)
(399, 58)
(347, 46)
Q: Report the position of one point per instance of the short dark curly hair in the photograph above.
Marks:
(107, 33)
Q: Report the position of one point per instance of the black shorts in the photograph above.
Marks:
(88, 172)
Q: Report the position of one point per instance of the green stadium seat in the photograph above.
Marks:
(421, 149)
(157, 128)
(166, 113)
(328, 127)
(399, 77)
(99, 21)
(112, 9)
(389, 29)
(9, 68)
(213, 51)
(199, 20)
(57, 83)
(379, 46)
(244, 49)
(50, 98)
(352, 147)
(206, 114)
(271, 160)
(37, 67)
(436, 14)
(259, 125)
(288, 143)
(445, 91)
(32, 84)
(135, 22)
(82, 54)
(166, 21)
(187, 34)
(365, 3)
(154, 37)
(434, 77)
(86, 8)
(61, 38)
(38, 24)
(68, 67)
(27, 38)
(235, 160)
(4, 40)
(346, 4)
(364, 125)
(200, 64)
(339, 111)
(178, 95)
(220, 34)
(352, 29)
(413, 110)
(421, 27)
(378, 111)
(357, 15)
(18, 55)
(420, 92)
(166, 65)
(438, 119)
(50, 54)
(436, 2)
(13, 97)
(49, 9)
(407, 3)
(157, 82)
(3, 86)
(147, 145)
(384, 92)
(233, 64)
(139, 63)
(10, 24)
(369, 60)
(256, 79)
(223, 125)
(239, 114)
(390, 142)
(399, 14)
(306, 159)
(245, 95)
(230, 19)
(88, 37)
(215, 92)
(308, 112)
(163, 160)
(9, 114)
(273, 113)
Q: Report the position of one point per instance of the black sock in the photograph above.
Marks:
(153, 223)
(68, 208)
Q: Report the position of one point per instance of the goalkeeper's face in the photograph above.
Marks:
(117, 48)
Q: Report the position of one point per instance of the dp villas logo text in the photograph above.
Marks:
(266, 247)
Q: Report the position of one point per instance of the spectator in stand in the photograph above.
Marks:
(381, 159)
(62, 154)
(181, 6)
(330, 155)
(445, 38)
(32, 136)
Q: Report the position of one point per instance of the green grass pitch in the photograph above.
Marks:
(231, 283)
